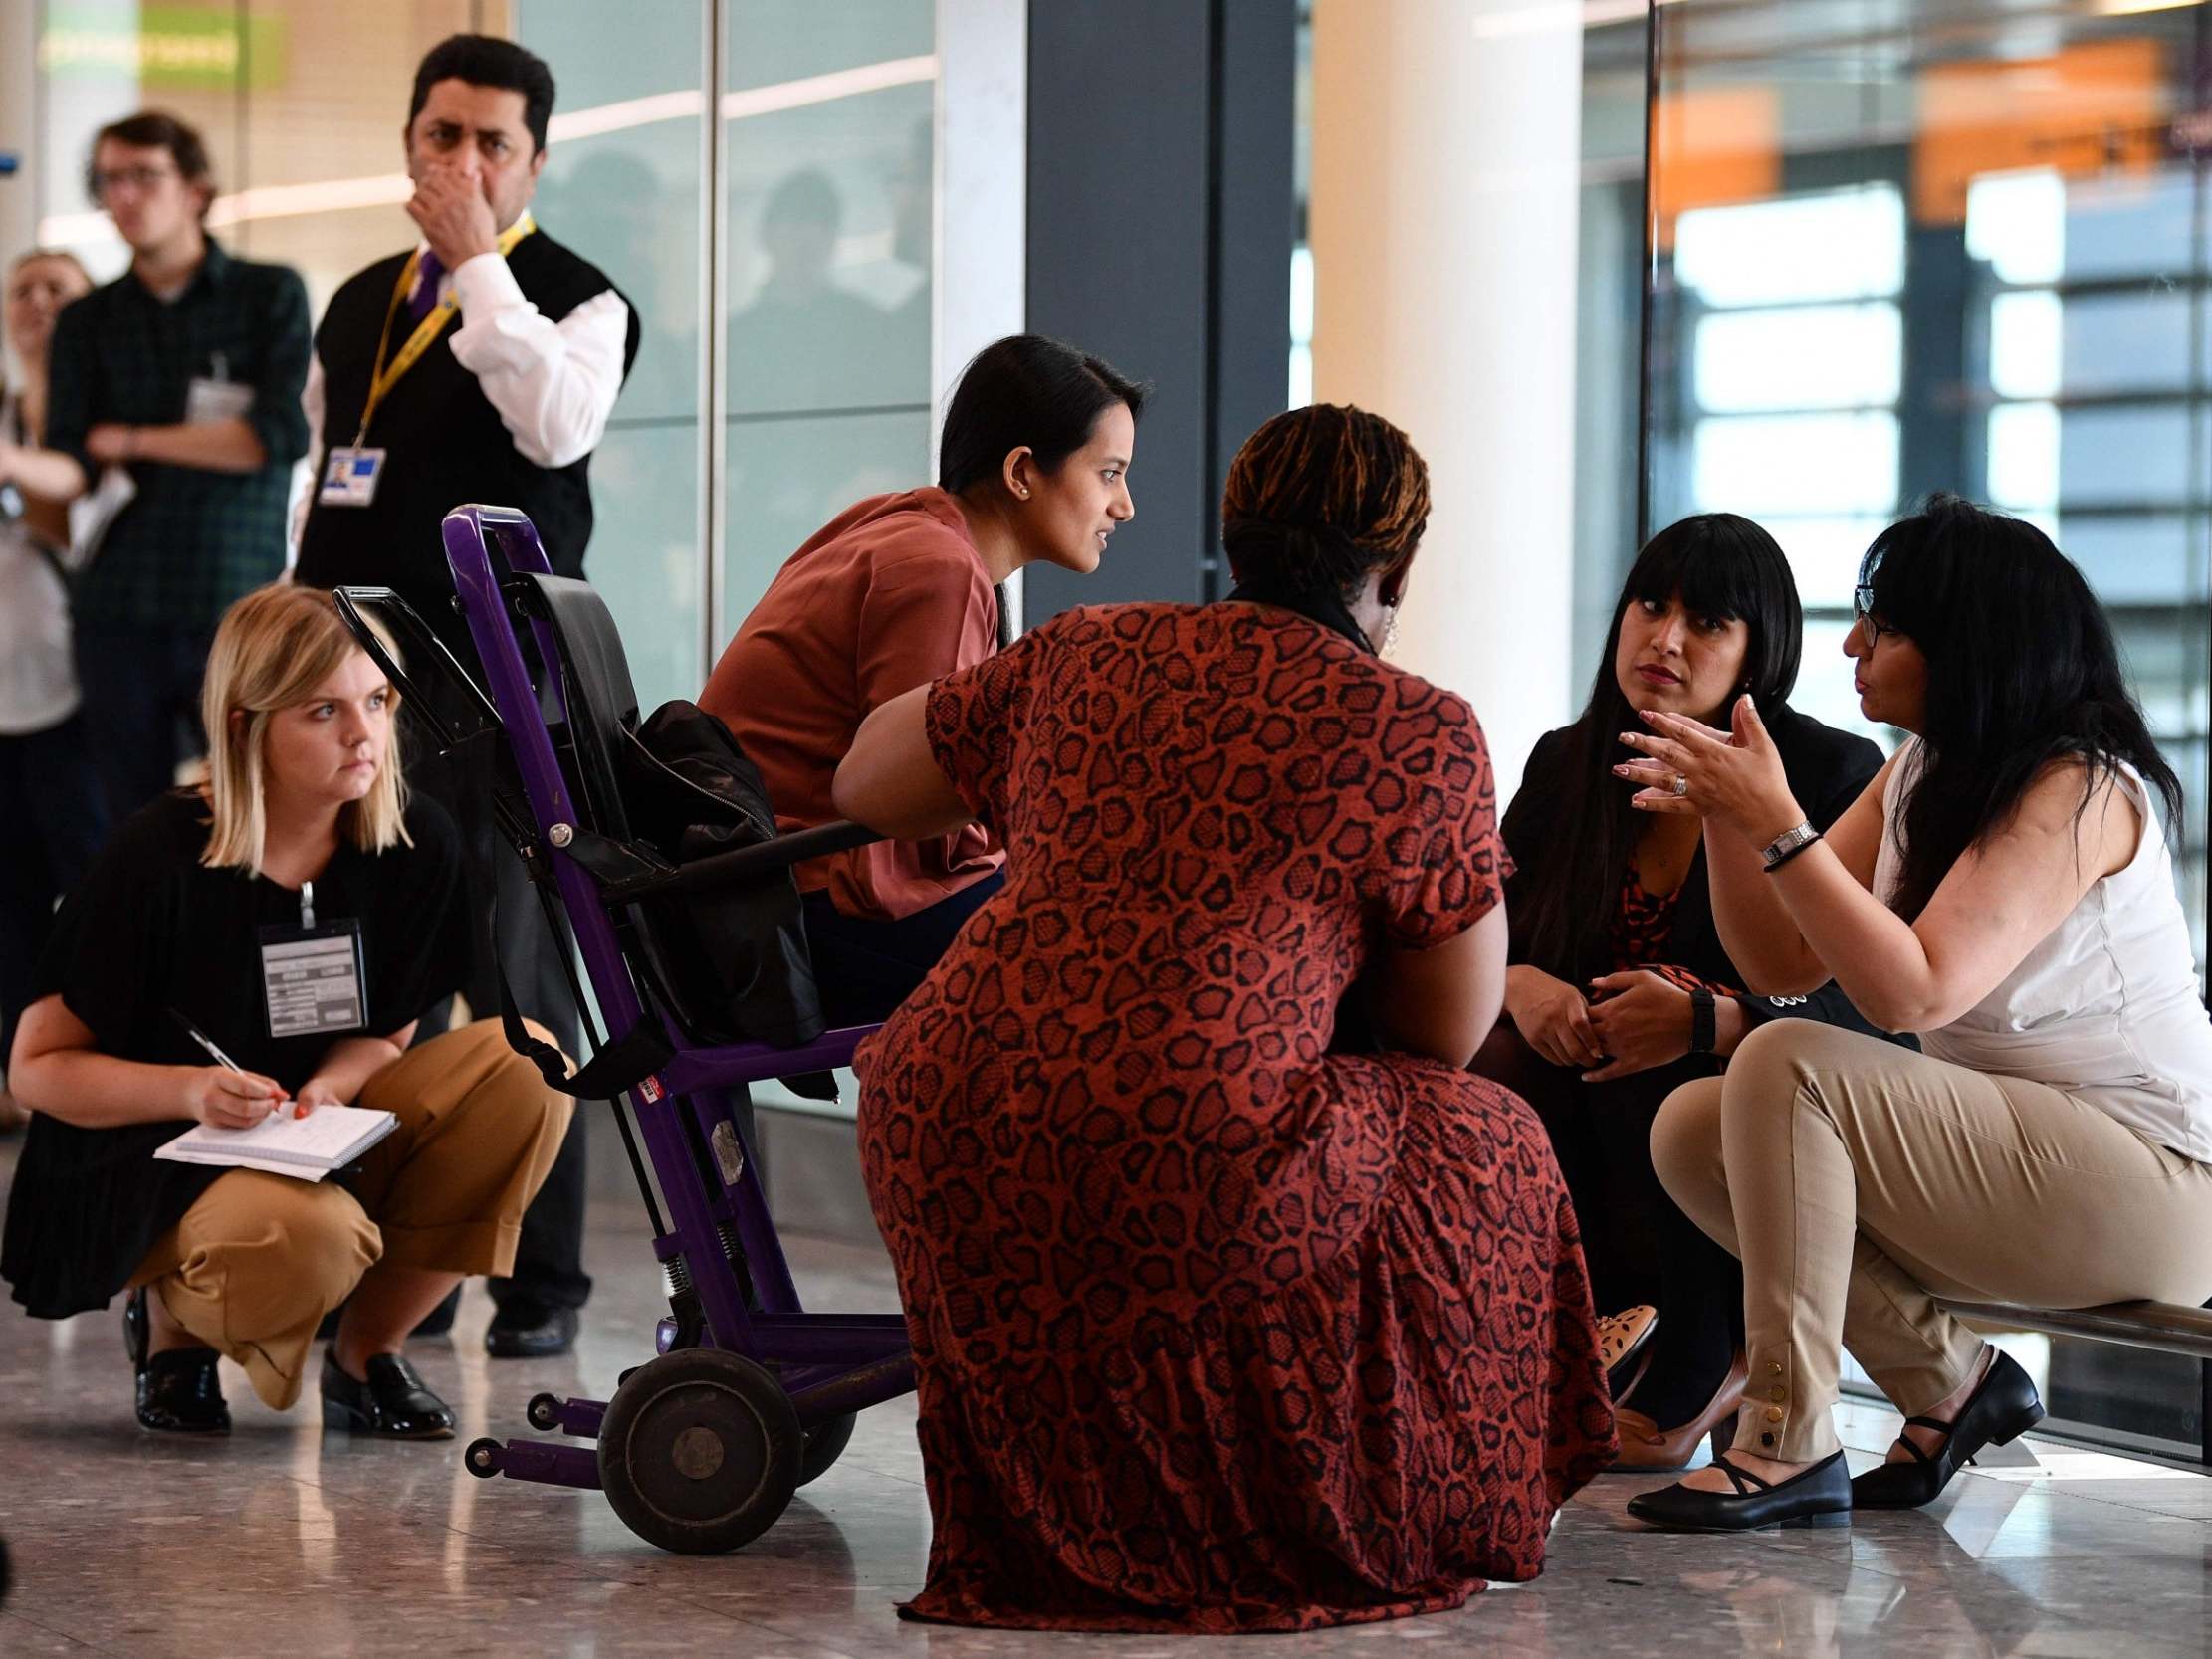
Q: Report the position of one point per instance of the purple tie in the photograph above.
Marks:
(427, 272)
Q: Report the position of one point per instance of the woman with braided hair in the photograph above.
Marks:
(1220, 1328)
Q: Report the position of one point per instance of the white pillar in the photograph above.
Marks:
(1447, 150)
(18, 102)
(980, 252)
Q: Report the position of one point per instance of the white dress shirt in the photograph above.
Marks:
(553, 383)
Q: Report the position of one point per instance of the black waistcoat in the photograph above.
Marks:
(445, 443)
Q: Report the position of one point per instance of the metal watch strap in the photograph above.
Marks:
(1787, 842)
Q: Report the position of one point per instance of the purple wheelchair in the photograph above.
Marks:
(749, 1398)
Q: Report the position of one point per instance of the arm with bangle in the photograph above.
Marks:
(1811, 916)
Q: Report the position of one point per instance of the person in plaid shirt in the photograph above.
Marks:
(184, 375)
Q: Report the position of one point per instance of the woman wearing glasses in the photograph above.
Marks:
(1611, 1005)
(2003, 889)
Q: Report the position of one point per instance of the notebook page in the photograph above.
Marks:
(327, 1136)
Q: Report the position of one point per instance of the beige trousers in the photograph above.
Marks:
(259, 1259)
(1858, 1180)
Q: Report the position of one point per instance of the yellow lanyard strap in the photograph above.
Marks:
(428, 329)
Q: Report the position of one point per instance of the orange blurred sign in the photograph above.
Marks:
(1712, 147)
(2091, 109)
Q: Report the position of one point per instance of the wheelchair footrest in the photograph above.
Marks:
(580, 1418)
(540, 1461)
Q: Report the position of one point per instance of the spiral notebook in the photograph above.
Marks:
(305, 1149)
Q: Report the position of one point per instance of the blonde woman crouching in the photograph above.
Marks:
(302, 834)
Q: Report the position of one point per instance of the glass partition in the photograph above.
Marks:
(828, 113)
(1934, 246)
(621, 186)
(1942, 247)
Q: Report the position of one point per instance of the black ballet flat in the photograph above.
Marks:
(1816, 1496)
(2001, 1409)
(394, 1402)
(180, 1393)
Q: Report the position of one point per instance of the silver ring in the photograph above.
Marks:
(1680, 785)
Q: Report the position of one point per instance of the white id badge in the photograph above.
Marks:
(349, 477)
(313, 979)
(208, 400)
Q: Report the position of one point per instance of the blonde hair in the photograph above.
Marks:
(272, 651)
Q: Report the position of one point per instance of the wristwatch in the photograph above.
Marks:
(1704, 1026)
(1787, 842)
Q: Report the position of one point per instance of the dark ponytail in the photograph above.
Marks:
(1026, 392)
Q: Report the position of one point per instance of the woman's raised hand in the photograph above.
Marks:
(223, 1098)
(1735, 776)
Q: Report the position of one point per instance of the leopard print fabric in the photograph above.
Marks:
(1216, 1330)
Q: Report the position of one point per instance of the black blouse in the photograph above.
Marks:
(150, 934)
(1826, 771)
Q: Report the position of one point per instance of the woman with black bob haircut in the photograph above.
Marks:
(2003, 889)
(1619, 988)
(899, 590)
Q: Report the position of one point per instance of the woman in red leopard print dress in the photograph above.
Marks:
(1218, 1329)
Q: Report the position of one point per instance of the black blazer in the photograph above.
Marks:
(1826, 769)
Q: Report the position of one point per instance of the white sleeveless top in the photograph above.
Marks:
(2106, 1006)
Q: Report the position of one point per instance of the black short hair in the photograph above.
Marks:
(488, 61)
(1026, 392)
(157, 130)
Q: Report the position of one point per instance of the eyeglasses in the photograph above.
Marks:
(1863, 600)
(137, 178)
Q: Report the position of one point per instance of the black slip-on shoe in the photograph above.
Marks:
(135, 1327)
(1815, 1496)
(393, 1402)
(2002, 1408)
(180, 1393)
(525, 1333)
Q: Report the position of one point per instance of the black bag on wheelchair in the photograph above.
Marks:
(727, 962)
(730, 961)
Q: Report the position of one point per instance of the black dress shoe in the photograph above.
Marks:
(134, 1327)
(180, 1393)
(1816, 1496)
(393, 1402)
(2003, 1407)
(525, 1333)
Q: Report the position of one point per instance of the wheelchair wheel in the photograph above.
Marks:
(825, 1444)
(700, 1451)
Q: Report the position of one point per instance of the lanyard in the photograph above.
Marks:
(387, 375)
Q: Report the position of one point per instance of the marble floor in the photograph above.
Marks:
(280, 1541)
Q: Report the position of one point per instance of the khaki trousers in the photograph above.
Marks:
(259, 1259)
(1858, 1180)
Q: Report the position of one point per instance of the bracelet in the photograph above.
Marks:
(1789, 853)
(1704, 1023)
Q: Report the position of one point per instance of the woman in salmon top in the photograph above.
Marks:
(896, 591)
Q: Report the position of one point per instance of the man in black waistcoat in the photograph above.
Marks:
(481, 367)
